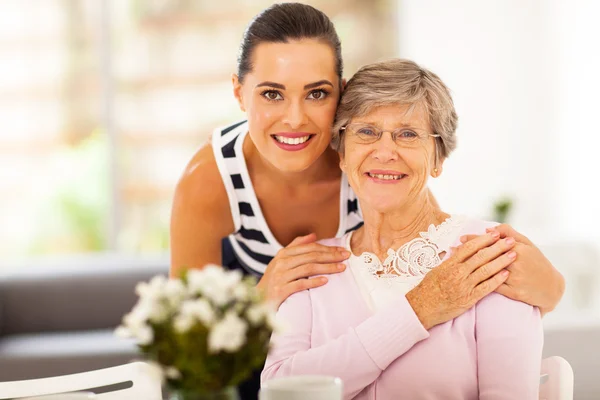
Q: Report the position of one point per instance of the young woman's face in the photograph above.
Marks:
(290, 97)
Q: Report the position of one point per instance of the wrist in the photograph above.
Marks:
(261, 285)
(413, 300)
(557, 293)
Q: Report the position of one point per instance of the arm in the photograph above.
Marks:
(200, 216)
(533, 279)
(358, 356)
(509, 339)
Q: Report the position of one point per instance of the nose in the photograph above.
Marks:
(295, 115)
(385, 149)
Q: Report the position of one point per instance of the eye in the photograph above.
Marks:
(318, 94)
(366, 131)
(272, 95)
(408, 135)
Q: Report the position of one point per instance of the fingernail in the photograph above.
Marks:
(463, 239)
(346, 253)
(495, 234)
(510, 241)
(341, 267)
(512, 254)
(504, 273)
(488, 230)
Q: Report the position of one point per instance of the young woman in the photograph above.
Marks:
(265, 190)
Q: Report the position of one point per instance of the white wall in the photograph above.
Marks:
(520, 75)
(525, 79)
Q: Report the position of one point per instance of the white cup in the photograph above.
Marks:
(302, 387)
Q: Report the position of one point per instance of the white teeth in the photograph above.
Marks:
(294, 141)
(386, 177)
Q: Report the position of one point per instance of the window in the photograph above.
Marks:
(104, 102)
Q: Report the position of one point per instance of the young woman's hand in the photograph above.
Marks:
(296, 266)
(533, 279)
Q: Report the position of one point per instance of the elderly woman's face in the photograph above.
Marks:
(390, 172)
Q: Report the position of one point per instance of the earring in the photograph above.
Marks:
(435, 171)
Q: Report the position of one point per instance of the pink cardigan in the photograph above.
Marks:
(493, 351)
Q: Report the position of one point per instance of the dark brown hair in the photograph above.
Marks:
(280, 23)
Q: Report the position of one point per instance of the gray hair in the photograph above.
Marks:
(398, 82)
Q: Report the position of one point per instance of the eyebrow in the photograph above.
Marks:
(306, 87)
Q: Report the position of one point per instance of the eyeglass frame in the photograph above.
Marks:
(382, 131)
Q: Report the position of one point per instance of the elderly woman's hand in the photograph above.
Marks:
(293, 268)
(474, 270)
(533, 279)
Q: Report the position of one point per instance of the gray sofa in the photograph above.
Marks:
(58, 318)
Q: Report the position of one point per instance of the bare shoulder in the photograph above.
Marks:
(200, 216)
(201, 185)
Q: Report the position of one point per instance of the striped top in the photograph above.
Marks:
(253, 243)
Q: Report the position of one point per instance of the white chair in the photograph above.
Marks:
(556, 381)
(124, 382)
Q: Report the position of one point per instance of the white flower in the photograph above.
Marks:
(135, 324)
(229, 334)
(199, 309)
(183, 323)
(192, 311)
(147, 310)
(175, 292)
(261, 312)
(199, 279)
(123, 333)
(241, 292)
(159, 312)
(214, 283)
(256, 314)
(139, 315)
(151, 290)
(144, 335)
(276, 324)
(172, 373)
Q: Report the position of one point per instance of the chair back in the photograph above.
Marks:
(556, 381)
(123, 382)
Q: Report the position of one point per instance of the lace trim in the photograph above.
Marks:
(417, 257)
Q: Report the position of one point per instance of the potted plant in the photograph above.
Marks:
(204, 333)
(502, 208)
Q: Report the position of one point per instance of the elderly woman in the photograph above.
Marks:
(394, 128)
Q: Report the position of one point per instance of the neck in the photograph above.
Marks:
(390, 230)
(326, 167)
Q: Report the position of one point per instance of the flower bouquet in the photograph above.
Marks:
(204, 333)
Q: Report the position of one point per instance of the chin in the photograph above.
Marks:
(384, 204)
(294, 164)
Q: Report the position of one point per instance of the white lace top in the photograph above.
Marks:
(403, 269)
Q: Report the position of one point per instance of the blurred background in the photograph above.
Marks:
(103, 102)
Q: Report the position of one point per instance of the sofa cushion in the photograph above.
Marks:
(51, 354)
(91, 292)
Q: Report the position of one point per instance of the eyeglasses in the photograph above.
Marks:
(368, 134)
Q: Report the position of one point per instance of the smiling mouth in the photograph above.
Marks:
(293, 141)
(386, 177)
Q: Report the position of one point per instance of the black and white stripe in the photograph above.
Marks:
(254, 244)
